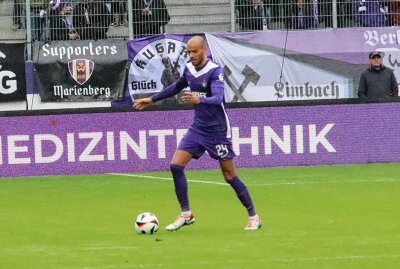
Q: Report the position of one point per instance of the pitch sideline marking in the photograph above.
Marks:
(312, 259)
(168, 178)
(265, 184)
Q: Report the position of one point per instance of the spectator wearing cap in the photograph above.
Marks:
(377, 82)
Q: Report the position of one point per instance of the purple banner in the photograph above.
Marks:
(145, 141)
(350, 45)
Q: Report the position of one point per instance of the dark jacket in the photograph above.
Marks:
(292, 15)
(250, 17)
(150, 23)
(95, 25)
(370, 13)
(378, 84)
(59, 26)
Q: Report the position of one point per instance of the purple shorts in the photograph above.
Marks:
(218, 146)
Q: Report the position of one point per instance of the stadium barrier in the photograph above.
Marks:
(123, 142)
(258, 66)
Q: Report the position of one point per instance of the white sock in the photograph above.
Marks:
(186, 214)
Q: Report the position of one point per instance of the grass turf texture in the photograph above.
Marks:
(314, 217)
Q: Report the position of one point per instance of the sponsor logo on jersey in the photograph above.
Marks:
(199, 94)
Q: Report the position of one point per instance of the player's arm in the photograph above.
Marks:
(142, 103)
(171, 90)
(217, 89)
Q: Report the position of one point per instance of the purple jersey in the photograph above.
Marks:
(208, 84)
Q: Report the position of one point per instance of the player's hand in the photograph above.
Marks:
(142, 103)
(189, 97)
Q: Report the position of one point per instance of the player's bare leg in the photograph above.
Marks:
(178, 163)
(229, 173)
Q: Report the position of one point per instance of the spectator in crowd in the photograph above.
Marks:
(283, 11)
(251, 14)
(325, 12)
(148, 17)
(394, 8)
(60, 28)
(307, 14)
(18, 14)
(39, 18)
(370, 13)
(377, 82)
(303, 14)
(118, 9)
(273, 11)
(343, 9)
(344, 13)
(91, 19)
(296, 14)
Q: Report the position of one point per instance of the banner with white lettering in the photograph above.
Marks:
(80, 71)
(12, 72)
(143, 142)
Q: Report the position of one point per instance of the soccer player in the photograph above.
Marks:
(210, 130)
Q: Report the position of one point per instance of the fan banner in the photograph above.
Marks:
(12, 72)
(269, 65)
(263, 73)
(80, 71)
(300, 65)
(156, 62)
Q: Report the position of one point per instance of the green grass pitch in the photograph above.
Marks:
(314, 217)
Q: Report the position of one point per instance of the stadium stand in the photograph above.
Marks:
(190, 17)
(198, 16)
(209, 16)
(9, 32)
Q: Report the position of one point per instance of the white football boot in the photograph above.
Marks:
(254, 223)
(179, 222)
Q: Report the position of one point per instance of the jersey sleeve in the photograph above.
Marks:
(172, 89)
(217, 88)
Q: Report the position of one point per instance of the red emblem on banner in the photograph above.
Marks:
(81, 70)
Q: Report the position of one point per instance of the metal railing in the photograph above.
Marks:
(312, 14)
(30, 20)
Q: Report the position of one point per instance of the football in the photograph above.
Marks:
(146, 223)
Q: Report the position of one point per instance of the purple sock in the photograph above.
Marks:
(181, 186)
(243, 194)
